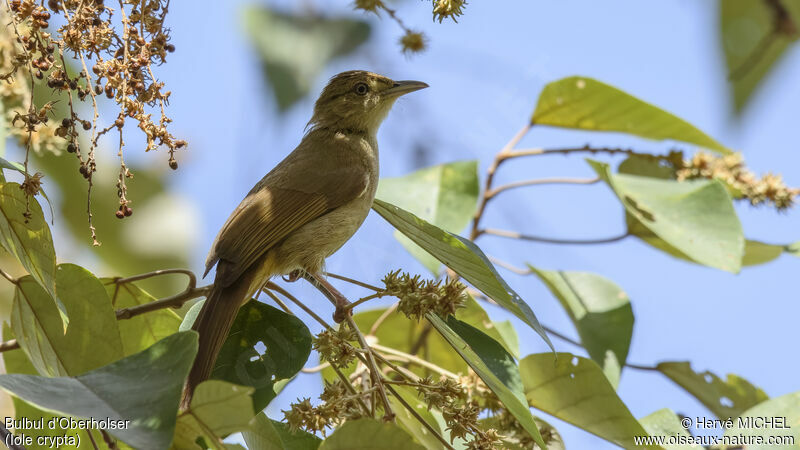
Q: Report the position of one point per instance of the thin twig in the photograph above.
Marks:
(351, 389)
(7, 437)
(316, 369)
(91, 439)
(363, 299)
(509, 266)
(419, 418)
(11, 344)
(278, 301)
(540, 181)
(527, 237)
(176, 301)
(8, 277)
(352, 281)
(382, 318)
(377, 377)
(416, 360)
(274, 287)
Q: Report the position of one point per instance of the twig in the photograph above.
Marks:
(316, 369)
(274, 287)
(176, 301)
(7, 439)
(110, 442)
(540, 181)
(382, 318)
(8, 277)
(278, 301)
(363, 299)
(11, 344)
(91, 439)
(377, 377)
(352, 281)
(419, 418)
(526, 237)
(490, 176)
(509, 266)
(416, 360)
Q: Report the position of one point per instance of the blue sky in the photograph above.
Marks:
(485, 74)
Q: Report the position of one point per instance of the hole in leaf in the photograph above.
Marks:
(709, 379)
(575, 361)
(725, 401)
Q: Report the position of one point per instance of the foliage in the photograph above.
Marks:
(433, 370)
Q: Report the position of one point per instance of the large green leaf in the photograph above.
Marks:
(295, 48)
(240, 361)
(15, 361)
(576, 390)
(369, 434)
(751, 45)
(267, 434)
(493, 364)
(217, 409)
(144, 330)
(666, 423)
(144, 389)
(725, 398)
(445, 195)
(601, 312)
(587, 104)
(29, 240)
(464, 257)
(92, 338)
(695, 217)
(784, 414)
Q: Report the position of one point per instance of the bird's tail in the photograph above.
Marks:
(213, 324)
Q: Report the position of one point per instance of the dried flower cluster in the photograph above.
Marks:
(121, 60)
(730, 169)
(444, 9)
(414, 41)
(419, 297)
(334, 346)
(338, 405)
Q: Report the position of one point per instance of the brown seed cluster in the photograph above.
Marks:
(334, 346)
(743, 183)
(97, 51)
(338, 405)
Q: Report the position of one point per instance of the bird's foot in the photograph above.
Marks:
(293, 276)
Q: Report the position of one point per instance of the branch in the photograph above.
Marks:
(352, 281)
(270, 286)
(536, 182)
(175, 301)
(526, 237)
(8, 277)
(8, 438)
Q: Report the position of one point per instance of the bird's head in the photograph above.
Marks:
(359, 100)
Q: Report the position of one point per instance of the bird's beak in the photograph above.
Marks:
(404, 87)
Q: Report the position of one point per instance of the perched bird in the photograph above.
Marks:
(303, 210)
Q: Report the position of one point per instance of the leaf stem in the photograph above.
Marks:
(274, 287)
(352, 281)
(416, 360)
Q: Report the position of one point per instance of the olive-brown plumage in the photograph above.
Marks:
(303, 210)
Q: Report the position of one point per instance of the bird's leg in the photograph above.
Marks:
(327, 289)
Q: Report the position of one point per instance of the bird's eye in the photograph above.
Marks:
(361, 88)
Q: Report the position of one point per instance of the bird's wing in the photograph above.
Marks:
(301, 188)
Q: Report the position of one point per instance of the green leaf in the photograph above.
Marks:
(240, 361)
(753, 423)
(587, 104)
(493, 364)
(15, 361)
(725, 398)
(503, 332)
(793, 249)
(92, 338)
(751, 45)
(267, 434)
(695, 217)
(576, 390)
(601, 312)
(666, 423)
(144, 388)
(369, 434)
(464, 257)
(29, 241)
(11, 165)
(142, 331)
(756, 252)
(217, 409)
(295, 48)
(445, 195)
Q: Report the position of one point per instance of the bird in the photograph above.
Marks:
(302, 211)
